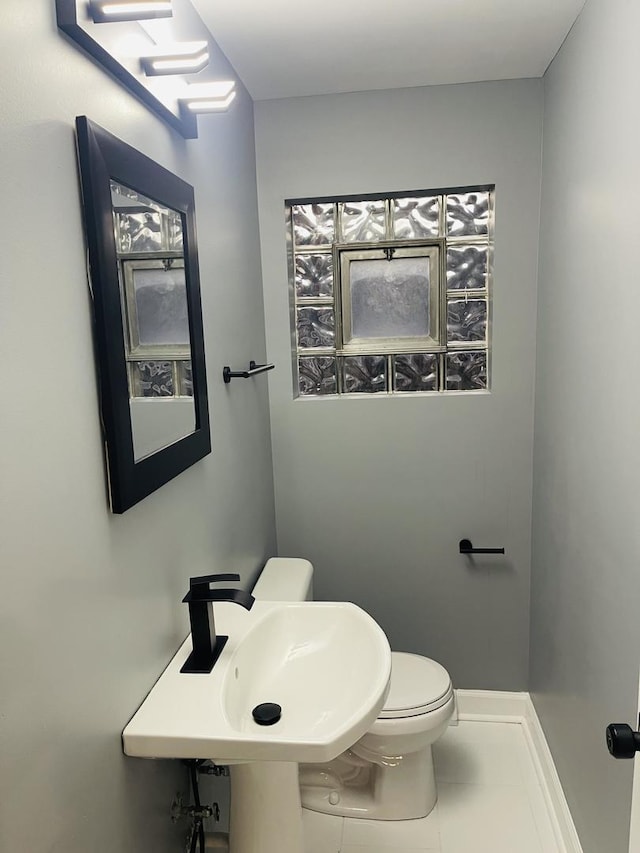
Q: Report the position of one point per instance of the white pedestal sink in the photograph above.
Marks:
(326, 664)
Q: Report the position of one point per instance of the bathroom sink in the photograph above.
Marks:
(327, 664)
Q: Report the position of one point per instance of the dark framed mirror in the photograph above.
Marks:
(143, 268)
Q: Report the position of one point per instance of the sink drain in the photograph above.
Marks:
(267, 713)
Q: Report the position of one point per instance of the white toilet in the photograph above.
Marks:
(388, 774)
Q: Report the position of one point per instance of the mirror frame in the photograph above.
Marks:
(103, 158)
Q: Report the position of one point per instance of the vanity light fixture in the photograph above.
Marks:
(211, 97)
(155, 60)
(187, 57)
(105, 11)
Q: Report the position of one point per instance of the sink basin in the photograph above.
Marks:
(324, 664)
(327, 664)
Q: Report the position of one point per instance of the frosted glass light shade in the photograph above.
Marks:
(215, 96)
(105, 11)
(180, 58)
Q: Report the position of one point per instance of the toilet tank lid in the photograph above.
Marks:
(416, 682)
(284, 579)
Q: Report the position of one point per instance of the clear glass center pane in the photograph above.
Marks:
(390, 298)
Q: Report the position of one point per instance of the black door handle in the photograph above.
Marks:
(622, 741)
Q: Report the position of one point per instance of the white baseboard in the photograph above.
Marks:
(496, 706)
(489, 704)
(563, 824)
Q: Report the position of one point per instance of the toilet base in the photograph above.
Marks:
(377, 792)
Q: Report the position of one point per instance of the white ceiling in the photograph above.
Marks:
(284, 48)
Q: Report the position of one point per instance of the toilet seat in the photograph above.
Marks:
(419, 685)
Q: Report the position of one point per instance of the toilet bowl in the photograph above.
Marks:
(387, 774)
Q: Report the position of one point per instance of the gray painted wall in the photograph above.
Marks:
(90, 608)
(586, 540)
(378, 492)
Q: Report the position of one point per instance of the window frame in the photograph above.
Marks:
(137, 351)
(346, 342)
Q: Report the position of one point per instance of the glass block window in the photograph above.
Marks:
(392, 292)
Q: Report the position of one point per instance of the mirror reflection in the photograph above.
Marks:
(153, 294)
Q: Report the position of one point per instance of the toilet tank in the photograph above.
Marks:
(285, 579)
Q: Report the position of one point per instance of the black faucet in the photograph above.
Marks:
(206, 646)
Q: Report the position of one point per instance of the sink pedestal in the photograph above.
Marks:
(266, 814)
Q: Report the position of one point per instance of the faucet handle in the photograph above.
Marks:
(207, 579)
(199, 588)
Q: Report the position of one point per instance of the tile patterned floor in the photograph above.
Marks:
(489, 801)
